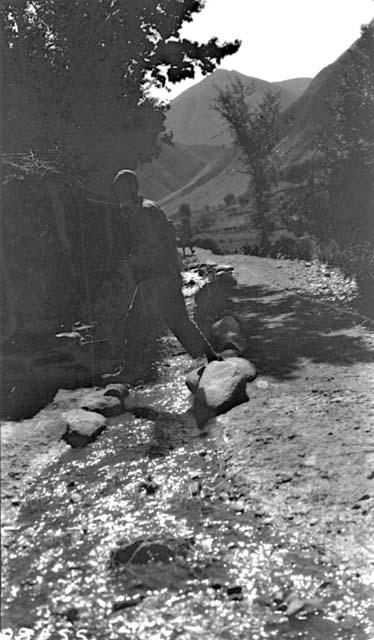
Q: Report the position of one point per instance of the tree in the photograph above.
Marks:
(185, 210)
(76, 74)
(335, 202)
(254, 131)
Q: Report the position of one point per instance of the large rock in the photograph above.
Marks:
(108, 401)
(227, 335)
(108, 406)
(82, 427)
(193, 379)
(222, 386)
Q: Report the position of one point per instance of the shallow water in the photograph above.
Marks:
(139, 535)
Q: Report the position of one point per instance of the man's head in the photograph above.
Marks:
(126, 187)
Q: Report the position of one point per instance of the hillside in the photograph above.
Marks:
(210, 185)
(176, 166)
(198, 165)
(295, 85)
(309, 114)
(301, 120)
(193, 120)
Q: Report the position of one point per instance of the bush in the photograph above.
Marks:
(357, 260)
(229, 199)
(209, 243)
(250, 250)
(285, 246)
(243, 199)
(204, 221)
(306, 248)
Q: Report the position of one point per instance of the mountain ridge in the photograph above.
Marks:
(192, 119)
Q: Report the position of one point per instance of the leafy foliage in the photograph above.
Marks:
(336, 200)
(335, 203)
(76, 73)
(254, 131)
(209, 243)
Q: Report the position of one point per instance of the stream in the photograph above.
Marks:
(141, 536)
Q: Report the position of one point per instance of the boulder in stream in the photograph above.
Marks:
(109, 401)
(222, 386)
(226, 334)
(82, 427)
(193, 379)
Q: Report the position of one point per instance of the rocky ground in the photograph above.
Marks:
(260, 526)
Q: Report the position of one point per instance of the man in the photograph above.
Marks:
(154, 261)
(186, 231)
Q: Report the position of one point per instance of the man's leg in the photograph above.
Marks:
(175, 314)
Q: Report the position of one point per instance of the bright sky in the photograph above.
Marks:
(281, 39)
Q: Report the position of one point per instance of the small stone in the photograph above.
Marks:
(224, 267)
(142, 552)
(71, 614)
(235, 592)
(75, 497)
(149, 486)
(117, 390)
(239, 506)
(262, 384)
(125, 602)
(294, 606)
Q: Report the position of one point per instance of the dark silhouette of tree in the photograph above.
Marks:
(76, 74)
(254, 131)
(229, 199)
(336, 201)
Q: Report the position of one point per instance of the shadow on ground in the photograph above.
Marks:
(284, 328)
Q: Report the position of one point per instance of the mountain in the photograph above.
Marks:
(210, 185)
(192, 119)
(297, 86)
(309, 114)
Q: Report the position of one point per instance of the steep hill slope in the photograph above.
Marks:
(295, 85)
(219, 177)
(193, 120)
(309, 114)
(176, 166)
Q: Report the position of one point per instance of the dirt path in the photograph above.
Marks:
(262, 528)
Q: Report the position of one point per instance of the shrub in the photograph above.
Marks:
(306, 248)
(204, 221)
(285, 246)
(250, 250)
(209, 243)
(357, 260)
(229, 199)
(243, 199)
